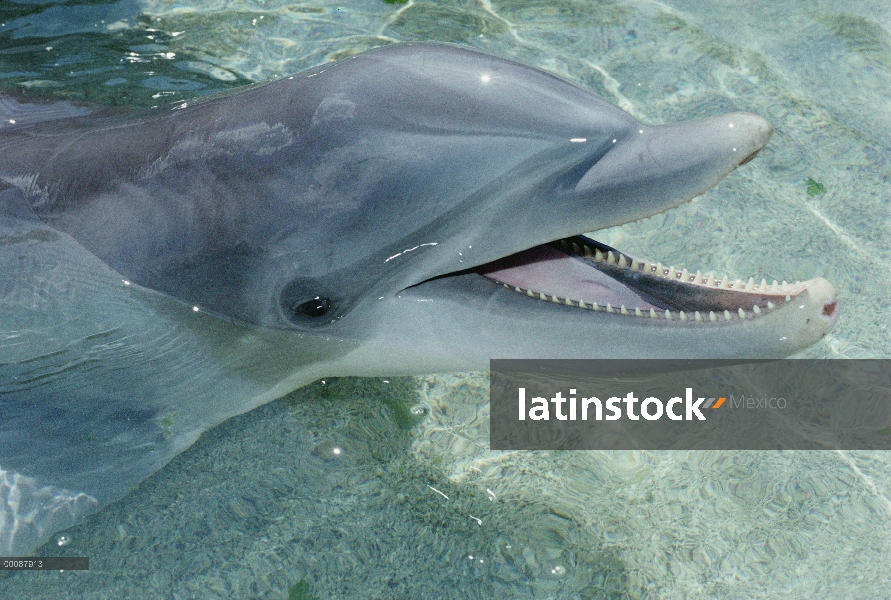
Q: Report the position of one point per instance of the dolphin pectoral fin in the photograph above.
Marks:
(77, 426)
(102, 382)
(31, 512)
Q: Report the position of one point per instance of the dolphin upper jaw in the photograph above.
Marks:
(655, 168)
(642, 171)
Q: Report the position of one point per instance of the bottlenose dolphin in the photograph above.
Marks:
(416, 208)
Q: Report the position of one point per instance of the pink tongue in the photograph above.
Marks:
(545, 270)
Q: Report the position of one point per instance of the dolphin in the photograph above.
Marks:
(412, 209)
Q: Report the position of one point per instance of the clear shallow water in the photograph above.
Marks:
(262, 502)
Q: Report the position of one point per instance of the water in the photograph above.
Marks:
(344, 490)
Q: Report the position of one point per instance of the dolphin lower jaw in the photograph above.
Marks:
(460, 321)
(583, 273)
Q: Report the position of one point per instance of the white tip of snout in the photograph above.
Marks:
(745, 133)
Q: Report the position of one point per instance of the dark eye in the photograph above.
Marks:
(317, 307)
(307, 303)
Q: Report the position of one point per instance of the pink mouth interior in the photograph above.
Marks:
(544, 269)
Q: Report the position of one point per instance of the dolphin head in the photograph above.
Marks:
(418, 196)
(472, 180)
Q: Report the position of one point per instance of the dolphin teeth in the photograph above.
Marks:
(685, 276)
(672, 274)
(727, 315)
(751, 284)
(569, 302)
(756, 310)
(595, 306)
(555, 299)
(586, 251)
(505, 285)
(763, 286)
(711, 316)
(711, 279)
(774, 286)
(542, 296)
(698, 279)
(658, 270)
(737, 284)
(637, 312)
(682, 316)
(697, 316)
(725, 283)
(609, 308)
(634, 264)
(518, 289)
(610, 258)
(598, 255)
(788, 297)
(622, 261)
(652, 314)
(624, 310)
(770, 305)
(742, 313)
(582, 304)
(575, 248)
(668, 314)
(530, 293)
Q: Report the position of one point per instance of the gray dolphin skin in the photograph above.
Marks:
(416, 208)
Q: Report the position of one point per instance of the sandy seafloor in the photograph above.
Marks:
(261, 503)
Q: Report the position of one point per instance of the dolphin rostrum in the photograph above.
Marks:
(416, 208)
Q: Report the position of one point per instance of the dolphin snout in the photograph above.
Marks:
(654, 168)
(718, 144)
(750, 132)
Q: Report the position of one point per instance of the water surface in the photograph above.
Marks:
(414, 504)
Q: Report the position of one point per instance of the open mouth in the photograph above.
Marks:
(583, 273)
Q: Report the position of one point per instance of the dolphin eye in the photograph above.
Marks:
(317, 307)
(305, 303)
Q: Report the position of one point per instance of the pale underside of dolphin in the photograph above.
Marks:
(415, 208)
